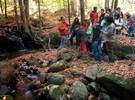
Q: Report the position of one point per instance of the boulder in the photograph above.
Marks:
(123, 88)
(57, 93)
(104, 96)
(75, 73)
(94, 86)
(65, 54)
(58, 66)
(78, 91)
(55, 78)
(91, 72)
(32, 62)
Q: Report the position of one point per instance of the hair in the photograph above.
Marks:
(77, 20)
(94, 8)
(109, 19)
(61, 18)
(108, 10)
(102, 10)
(118, 8)
(117, 15)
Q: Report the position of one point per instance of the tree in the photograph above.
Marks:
(73, 8)
(16, 14)
(39, 14)
(106, 4)
(1, 6)
(5, 8)
(82, 10)
(115, 4)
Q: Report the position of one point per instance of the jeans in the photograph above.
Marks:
(109, 47)
(96, 48)
(118, 31)
(64, 41)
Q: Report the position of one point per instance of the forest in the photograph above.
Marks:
(65, 50)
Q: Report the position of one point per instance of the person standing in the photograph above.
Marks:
(94, 15)
(110, 37)
(101, 16)
(73, 30)
(64, 32)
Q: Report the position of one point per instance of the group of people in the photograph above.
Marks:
(92, 34)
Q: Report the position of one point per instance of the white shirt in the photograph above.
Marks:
(119, 23)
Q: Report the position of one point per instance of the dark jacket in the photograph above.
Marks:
(82, 35)
(97, 33)
(101, 18)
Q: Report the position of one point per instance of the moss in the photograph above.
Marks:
(57, 92)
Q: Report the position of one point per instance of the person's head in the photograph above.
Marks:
(108, 11)
(118, 9)
(62, 18)
(77, 27)
(109, 20)
(95, 9)
(76, 20)
(102, 11)
(84, 22)
(106, 15)
(127, 14)
(116, 16)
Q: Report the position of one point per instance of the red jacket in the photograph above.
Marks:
(63, 28)
(93, 16)
(85, 27)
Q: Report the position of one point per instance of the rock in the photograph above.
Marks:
(32, 62)
(4, 89)
(42, 77)
(78, 91)
(117, 85)
(94, 86)
(65, 54)
(75, 73)
(57, 93)
(91, 72)
(129, 56)
(104, 96)
(85, 81)
(58, 66)
(55, 78)
(45, 63)
(6, 71)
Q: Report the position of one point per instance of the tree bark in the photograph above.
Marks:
(73, 8)
(1, 6)
(16, 15)
(5, 8)
(112, 6)
(39, 14)
(106, 4)
(69, 12)
(115, 4)
(82, 10)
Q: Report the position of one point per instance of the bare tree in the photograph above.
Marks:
(69, 12)
(1, 6)
(107, 4)
(16, 14)
(5, 1)
(82, 10)
(115, 4)
(39, 14)
(73, 8)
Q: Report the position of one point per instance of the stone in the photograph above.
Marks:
(117, 85)
(58, 66)
(104, 96)
(42, 77)
(55, 78)
(32, 62)
(94, 86)
(4, 89)
(45, 63)
(57, 93)
(75, 73)
(91, 72)
(78, 91)
(65, 54)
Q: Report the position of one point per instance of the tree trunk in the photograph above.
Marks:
(5, 8)
(115, 4)
(1, 6)
(82, 10)
(112, 6)
(106, 4)
(69, 12)
(86, 6)
(16, 15)
(73, 8)
(39, 14)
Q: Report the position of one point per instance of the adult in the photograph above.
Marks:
(96, 41)
(64, 31)
(118, 22)
(118, 10)
(110, 37)
(73, 30)
(83, 41)
(101, 16)
(94, 15)
(109, 12)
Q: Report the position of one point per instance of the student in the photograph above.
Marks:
(73, 30)
(96, 41)
(110, 37)
(64, 31)
(101, 16)
(94, 15)
(85, 25)
(83, 41)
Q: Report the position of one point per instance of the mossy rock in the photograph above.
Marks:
(58, 66)
(57, 93)
(124, 88)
